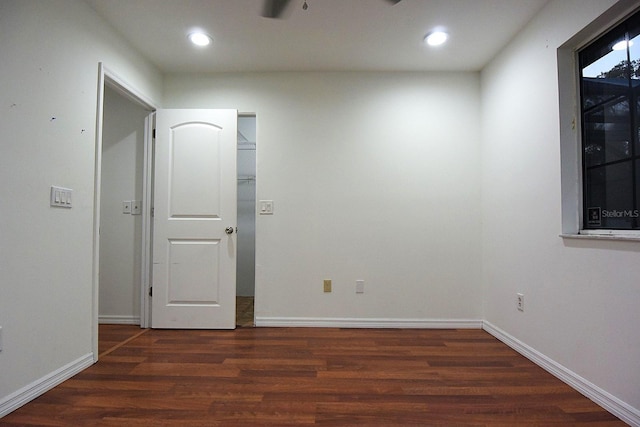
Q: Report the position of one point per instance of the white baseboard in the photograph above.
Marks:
(118, 320)
(617, 407)
(44, 384)
(324, 322)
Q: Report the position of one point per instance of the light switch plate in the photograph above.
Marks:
(136, 207)
(60, 197)
(266, 207)
(126, 207)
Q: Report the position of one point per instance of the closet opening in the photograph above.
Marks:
(246, 254)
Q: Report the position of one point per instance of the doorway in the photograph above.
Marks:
(245, 272)
(138, 305)
(120, 93)
(121, 195)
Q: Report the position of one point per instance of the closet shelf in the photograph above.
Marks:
(246, 145)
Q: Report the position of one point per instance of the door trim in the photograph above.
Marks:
(147, 221)
(114, 81)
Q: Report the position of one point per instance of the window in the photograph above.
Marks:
(610, 112)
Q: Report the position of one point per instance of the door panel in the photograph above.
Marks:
(195, 192)
(195, 171)
(194, 275)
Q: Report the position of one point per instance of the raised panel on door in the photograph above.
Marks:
(195, 171)
(194, 272)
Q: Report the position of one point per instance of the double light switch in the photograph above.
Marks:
(266, 207)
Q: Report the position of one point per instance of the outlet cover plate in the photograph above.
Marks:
(327, 285)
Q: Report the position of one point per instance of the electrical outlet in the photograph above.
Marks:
(327, 285)
(359, 286)
(520, 302)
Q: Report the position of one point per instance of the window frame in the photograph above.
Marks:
(622, 28)
(571, 150)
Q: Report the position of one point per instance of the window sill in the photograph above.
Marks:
(622, 237)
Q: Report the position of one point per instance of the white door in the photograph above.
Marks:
(194, 222)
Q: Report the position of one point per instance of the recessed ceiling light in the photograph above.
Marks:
(622, 45)
(436, 38)
(200, 39)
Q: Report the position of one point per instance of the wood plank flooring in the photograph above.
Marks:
(312, 376)
(244, 312)
(111, 337)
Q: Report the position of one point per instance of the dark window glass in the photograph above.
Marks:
(610, 103)
(610, 190)
(637, 212)
(637, 119)
(634, 56)
(606, 132)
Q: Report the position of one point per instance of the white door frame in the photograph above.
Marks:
(108, 77)
(147, 222)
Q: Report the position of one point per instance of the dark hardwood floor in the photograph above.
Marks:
(311, 376)
(112, 337)
(244, 312)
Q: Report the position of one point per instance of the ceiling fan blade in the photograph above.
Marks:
(394, 1)
(274, 8)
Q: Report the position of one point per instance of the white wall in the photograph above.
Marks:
(50, 52)
(374, 176)
(121, 234)
(581, 297)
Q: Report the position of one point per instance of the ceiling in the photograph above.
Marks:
(331, 35)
